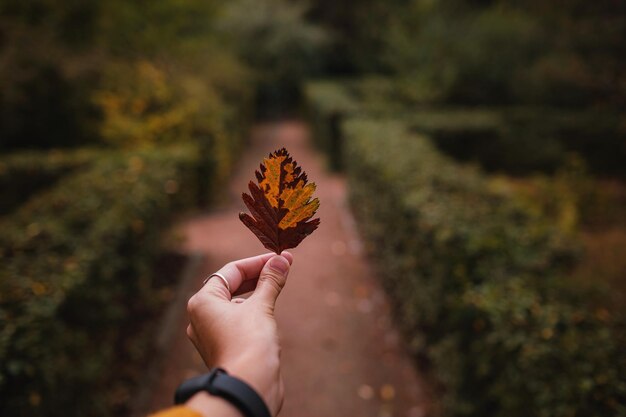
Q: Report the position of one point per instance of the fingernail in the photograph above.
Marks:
(280, 264)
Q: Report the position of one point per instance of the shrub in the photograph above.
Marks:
(23, 173)
(278, 41)
(116, 72)
(145, 104)
(527, 140)
(497, 140)
(327, 104)
(75, 261)
(44, 104)
(478, 283)
(516, 140)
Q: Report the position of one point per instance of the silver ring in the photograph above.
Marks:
(220, 276)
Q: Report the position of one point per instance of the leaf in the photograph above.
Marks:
(280, 205)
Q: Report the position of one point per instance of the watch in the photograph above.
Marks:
(218, 383)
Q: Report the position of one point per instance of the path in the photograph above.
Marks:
(341, 356)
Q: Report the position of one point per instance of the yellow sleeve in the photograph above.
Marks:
(180, 411)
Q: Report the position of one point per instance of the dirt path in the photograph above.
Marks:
(341, 354)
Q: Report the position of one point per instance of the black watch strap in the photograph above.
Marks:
(219, 383)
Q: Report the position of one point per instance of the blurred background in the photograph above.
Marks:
(483, 143)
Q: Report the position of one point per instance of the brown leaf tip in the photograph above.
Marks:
(281, 204)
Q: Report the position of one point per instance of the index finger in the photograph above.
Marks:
(237, 272)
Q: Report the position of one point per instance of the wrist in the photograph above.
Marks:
(210, 406)
(262, 373)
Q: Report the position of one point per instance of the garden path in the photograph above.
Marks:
(341, 354)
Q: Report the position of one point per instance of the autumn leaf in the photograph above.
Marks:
(280, 205)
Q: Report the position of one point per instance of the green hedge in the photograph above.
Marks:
(514, 140)
(327, 104)
(24, 173)
(478, 284)
(74, 279)
(597, 136)
(506, 140)
(526, 140)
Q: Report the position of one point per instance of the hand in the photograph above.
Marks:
(240, 335)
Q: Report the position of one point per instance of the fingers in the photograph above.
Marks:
(241, 275)
(250, 285)
(235, 273)
(272, 279)
(288, 256)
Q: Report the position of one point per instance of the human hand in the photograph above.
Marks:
(241, 335)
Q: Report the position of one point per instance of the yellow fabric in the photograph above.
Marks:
(179, 411)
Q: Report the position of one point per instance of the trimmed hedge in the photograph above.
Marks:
(497, 140)
(75, 262)
(525, 140)
(24, 173)
(478, 284)
(513, 140)
(327, 104)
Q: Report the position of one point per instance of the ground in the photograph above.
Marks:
(341, 353)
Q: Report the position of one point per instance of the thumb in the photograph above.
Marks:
(272, 280)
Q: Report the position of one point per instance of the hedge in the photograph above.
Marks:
(26, 172)
(327, 104)
(480, 284)
(75, 278)
(526, 140)
(517, 140)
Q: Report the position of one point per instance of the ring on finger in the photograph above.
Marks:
(220, 276)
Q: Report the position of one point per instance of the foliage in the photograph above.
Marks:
(163, 95)
(472, 58)
(517, 140)
(568, 54)
(327, 104)
(482, 280)
(140, 106)
(477, 281)
(282, 47)
(114, 71)
(24, 173)
(75, 269)
(44, 101)
(281, 204)
(358, 28)
(276, 39)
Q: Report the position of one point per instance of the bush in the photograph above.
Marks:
(516, 140)
(327, 104)
(45, 99)
(492, 138)
(277, 41)
(80, 228)
(24, 173)
(527, 140)
(116, 72)
(478, 284)
(75, 261)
